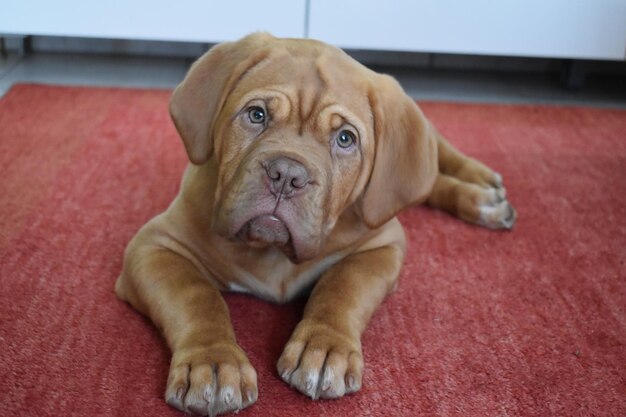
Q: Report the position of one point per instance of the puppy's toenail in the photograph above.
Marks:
(207, 394)
(498, 179)
(228, 398)
(249, 395)
(351, 382)
(501, 194)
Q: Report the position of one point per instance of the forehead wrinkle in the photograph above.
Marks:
(335, 109)
(286, 95)
(266, 93)
(310, 96)
(256, 66)
(327, 105)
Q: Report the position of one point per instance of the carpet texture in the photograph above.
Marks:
(526, 323)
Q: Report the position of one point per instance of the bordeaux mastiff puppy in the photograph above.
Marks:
(300, 160)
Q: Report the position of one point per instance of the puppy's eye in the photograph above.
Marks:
(345, 139)
(256, 114)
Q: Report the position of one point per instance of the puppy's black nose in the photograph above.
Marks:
(286, 176)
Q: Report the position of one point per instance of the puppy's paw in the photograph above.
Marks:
(485, 206)
(211, 380)
(497, 213)
(321, 362)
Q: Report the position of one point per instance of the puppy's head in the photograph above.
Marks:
(300, 133)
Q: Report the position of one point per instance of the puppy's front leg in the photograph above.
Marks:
(323, 356)
(209, 373)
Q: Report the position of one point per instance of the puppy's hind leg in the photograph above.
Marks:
(484, 206)
(470, 190)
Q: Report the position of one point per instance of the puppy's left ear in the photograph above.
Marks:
(405, 163)
(199, 98)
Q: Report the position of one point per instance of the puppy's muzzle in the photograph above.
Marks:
(286, 176)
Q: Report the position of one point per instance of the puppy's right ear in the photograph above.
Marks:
(198, 99)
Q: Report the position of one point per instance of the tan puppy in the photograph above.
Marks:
(300, 160)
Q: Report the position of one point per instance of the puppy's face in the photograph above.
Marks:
(293, 143)
(298, 132)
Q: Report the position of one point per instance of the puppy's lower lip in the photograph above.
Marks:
(265, 230)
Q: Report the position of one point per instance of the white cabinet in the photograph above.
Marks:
(178, 20)
(586, 29)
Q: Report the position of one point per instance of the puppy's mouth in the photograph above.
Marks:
(264, 230)
(268, 230)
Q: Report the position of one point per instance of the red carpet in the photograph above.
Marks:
(527, 323)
